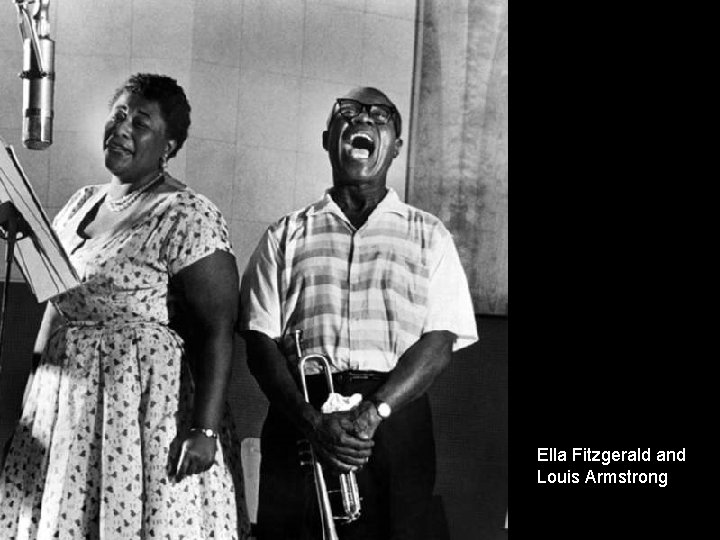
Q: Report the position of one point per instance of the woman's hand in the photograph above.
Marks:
(197, 455)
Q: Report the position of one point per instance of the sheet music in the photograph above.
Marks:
(40, 256)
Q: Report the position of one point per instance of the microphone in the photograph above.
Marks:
(38, 78)
(38, 90)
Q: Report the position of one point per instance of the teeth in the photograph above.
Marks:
(360, 153)
(361, 136)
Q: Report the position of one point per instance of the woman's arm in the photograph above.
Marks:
(51, 320)
(210, 288)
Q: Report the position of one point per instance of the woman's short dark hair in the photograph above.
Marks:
(171, 98)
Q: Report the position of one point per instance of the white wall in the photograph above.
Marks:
(261, 76)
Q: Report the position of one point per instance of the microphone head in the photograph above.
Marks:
(37, 130)
(38, 90)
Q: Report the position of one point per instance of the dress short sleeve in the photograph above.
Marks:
(198, 230)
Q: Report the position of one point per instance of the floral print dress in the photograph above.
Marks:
(112, 396)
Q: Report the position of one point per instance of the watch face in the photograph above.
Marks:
(383, 410)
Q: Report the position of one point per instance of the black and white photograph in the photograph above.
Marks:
(255, 270)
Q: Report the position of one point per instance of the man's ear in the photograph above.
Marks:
(398, 146)
(325, 140)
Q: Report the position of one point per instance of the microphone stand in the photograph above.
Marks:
(12, 224)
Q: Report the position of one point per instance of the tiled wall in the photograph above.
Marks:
(260, 75)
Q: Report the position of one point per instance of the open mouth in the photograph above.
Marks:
(362, 146)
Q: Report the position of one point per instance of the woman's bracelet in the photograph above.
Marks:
(209, 433)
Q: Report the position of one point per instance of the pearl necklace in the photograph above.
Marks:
(124, 202)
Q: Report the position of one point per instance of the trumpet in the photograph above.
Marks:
(346, 484)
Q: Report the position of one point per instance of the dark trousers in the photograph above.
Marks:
(395, 486)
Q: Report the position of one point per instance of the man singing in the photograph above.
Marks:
(377, 286)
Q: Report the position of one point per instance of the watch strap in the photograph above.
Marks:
(209, 433)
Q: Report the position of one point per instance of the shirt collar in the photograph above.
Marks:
(390, 203)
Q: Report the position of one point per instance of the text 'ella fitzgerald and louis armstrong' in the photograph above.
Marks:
(606, 457)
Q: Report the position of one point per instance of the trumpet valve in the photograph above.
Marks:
(305, 453)
(350, 496)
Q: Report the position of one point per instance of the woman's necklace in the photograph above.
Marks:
(124, 202)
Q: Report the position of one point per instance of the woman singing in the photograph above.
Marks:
(124, 431)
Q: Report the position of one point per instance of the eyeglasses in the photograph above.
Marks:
(379, 112)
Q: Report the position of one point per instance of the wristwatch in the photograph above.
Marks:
(209, 433)
(383, 409)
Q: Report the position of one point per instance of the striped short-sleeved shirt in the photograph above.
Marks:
(361, 296)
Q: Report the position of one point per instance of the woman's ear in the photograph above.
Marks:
(170, 147)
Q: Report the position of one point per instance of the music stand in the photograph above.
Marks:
(12, 224)
(31, 240)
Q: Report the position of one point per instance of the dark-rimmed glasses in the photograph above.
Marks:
(381, 113)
